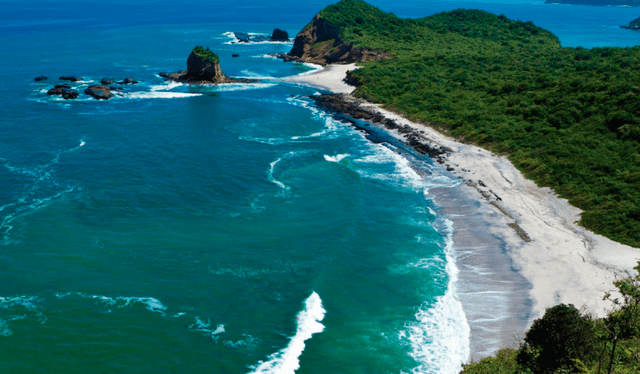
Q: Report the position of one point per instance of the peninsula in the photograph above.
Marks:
(547, 139)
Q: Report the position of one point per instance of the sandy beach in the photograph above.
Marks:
(531, 246)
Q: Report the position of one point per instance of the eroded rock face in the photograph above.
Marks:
(202, 70)
(320, 43)
(99, 92)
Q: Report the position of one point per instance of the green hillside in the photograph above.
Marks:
(567, 117)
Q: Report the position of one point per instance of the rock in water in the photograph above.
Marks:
(69, 94)
(99, 92)
(106, 81)
(58, 89)
(280, 35)
(41, 78)
(130, 81)
(201, 68)
(71, 78)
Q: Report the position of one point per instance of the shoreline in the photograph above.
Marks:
(528, 254)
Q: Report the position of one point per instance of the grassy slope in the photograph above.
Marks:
(567, 117)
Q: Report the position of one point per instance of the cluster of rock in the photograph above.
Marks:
(201, 71)
(277, 36)
(320, 43)
(100, 92)
(351, 107)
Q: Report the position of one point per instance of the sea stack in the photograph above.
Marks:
(203, 67)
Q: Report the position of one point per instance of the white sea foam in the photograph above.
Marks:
(160, 95)
(439, 337)
(169, 85)
(272, 167)
(205, 326)
(227, 87)
(152, 304)
(336, 158)
(287, 360)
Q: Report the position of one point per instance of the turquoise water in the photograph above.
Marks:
(215, 229)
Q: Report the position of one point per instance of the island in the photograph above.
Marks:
(633, 25)
(633, 3)
(547, 137)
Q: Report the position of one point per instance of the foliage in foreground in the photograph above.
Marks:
(566, 340)
(569, 118)
(206, 54)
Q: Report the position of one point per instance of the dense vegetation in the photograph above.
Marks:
(567, 117)
(206, 54)
(566, 340)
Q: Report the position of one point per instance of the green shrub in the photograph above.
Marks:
(206, 54)
(562, 339)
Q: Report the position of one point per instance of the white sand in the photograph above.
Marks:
(329, 78)
(564, 262)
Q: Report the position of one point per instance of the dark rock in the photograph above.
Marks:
(199, 69)
(242, 37)
(41, 78)
(129, 81)
(449, 168)
(235, 55)
(69, 94)
(280, 35)
(71, 78)
(351, 107)
(106, 81)
(482, 183)
(57, 89)
(99, 92)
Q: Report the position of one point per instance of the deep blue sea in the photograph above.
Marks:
(228, 229)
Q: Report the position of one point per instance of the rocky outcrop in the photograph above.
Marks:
(129, 81)
(99, 92)
(279, 36)
(106, 81)
(633, 25)
(70, 78)
(41, 78)
(352, 108)
(201, 71)
(57, 89)
(320, 43)
(69, 94)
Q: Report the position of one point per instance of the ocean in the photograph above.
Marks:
(227, 229)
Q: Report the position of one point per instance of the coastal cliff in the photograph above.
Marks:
(320, 43)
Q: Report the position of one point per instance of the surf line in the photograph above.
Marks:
(287, 360)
